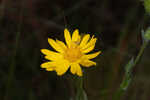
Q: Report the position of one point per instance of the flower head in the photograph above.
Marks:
(70, 55)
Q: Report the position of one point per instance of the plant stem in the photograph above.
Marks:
(140, 53)
(126, 81)
(79, 87)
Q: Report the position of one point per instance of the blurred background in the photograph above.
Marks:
(25, 26)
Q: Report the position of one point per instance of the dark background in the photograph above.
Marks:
(25, 26)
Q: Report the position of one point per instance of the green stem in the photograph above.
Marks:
(140, 53)
(79, 87)
(127, 78)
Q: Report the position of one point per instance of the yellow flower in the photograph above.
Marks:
(70, 55)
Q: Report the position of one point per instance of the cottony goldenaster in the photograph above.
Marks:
(70, 55)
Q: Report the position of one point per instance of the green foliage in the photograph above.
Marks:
(147, 34)
(147, 6)
(128, 68)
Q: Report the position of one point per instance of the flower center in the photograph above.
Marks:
(72, 54)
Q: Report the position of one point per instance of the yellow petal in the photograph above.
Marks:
(79, 71)
(49, 52)
(62, 67)
(53, 58)
(88, 49)
(93, 55)
(61, 44)
(87, 63)
(67, 37)
(79, 39)
(73, 69)
(50, 69)
(55, 45)
(90, 43)
(84, 40)
(50, 55)
(49, 65)
(75, 35)
(76, 69)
